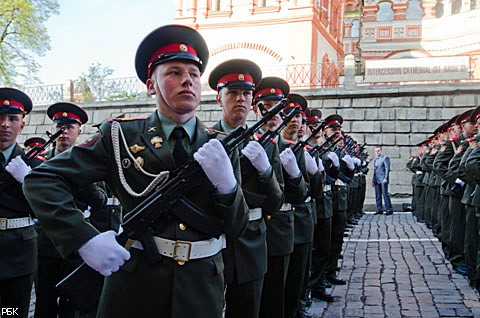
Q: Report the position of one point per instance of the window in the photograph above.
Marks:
(355, 33)
(385, 12)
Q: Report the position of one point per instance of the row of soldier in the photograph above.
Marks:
(446, 192)
(260, 228)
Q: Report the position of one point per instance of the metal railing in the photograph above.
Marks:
(320, 75)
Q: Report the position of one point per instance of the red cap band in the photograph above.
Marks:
(10, 102)
(174, 47)
(332, 122)
(312, 118)
(295, 104)
(235, 77)
(272, 91)
(66, 115)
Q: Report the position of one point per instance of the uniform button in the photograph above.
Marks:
(181, 263)
(182, 227)
(269, 217)
(293, 209)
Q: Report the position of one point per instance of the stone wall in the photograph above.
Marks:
(395, 117)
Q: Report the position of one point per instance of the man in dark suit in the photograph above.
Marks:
(381, 175)
(134, 157)
(18, 239)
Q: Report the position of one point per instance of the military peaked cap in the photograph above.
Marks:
(64, 113)
(314, 116)
(465, 117)
(237, 73)
(34, 141)
(170, 43)
(475, 114)
(297, 100)
(271, 88)
(14, 101)
(334, 120)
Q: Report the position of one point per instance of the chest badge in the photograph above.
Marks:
(136, 148)
(139, 162)
(157, 141)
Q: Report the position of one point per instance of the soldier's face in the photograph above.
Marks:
(332, 130)
(469, 129)
(10, 126)
(69, 136)
(302, 130)
(294, 125)
(236, 103)
(176, 86)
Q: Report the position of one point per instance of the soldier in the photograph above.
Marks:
(246, 256)
(134, 156)
(333, 124)
(34, 142)
(303, 222)
(52, 267)
(322, 230)
(456, 189)
(280, 225)
(18, 239)
(440, 166)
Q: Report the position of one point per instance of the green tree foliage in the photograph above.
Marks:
(91, 86)
(23, 36)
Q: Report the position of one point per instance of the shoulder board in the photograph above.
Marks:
(40, 157)
(210, 130)
(257, 137)
(125, 119)
(453, 139)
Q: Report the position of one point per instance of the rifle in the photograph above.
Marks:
(82, 286)
(320, 149)
(302, 143)
(269, 135)
(36, 150)
(6, 179)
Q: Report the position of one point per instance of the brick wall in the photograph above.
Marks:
(395, 117)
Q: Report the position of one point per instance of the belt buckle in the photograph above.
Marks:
(3, 223)
(180, 244)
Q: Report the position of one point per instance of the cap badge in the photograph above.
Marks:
(183, 48)
(272, 90)
(157, 141)
(136, 148)
(64, 114)
(6, 102)
(292, 105)
(126, 163)
(139, 162)
(241, 77)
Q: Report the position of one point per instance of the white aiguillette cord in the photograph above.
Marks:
(159, 179)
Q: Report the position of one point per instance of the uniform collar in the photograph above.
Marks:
(168, 126)
(7, 153)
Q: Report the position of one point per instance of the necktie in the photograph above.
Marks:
(2, 161)
(179, 153)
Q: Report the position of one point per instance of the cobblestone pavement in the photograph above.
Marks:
(395, 267)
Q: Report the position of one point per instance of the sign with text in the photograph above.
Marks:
(417, 69)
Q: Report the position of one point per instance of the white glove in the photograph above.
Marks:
(334, 158)
(217, 166)
(257, 156)
(103, 253)
(349, 161)
(312, 167)
(357, 161)
(320, 165)
(18, 168)
(289, 163)
(460, 182)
